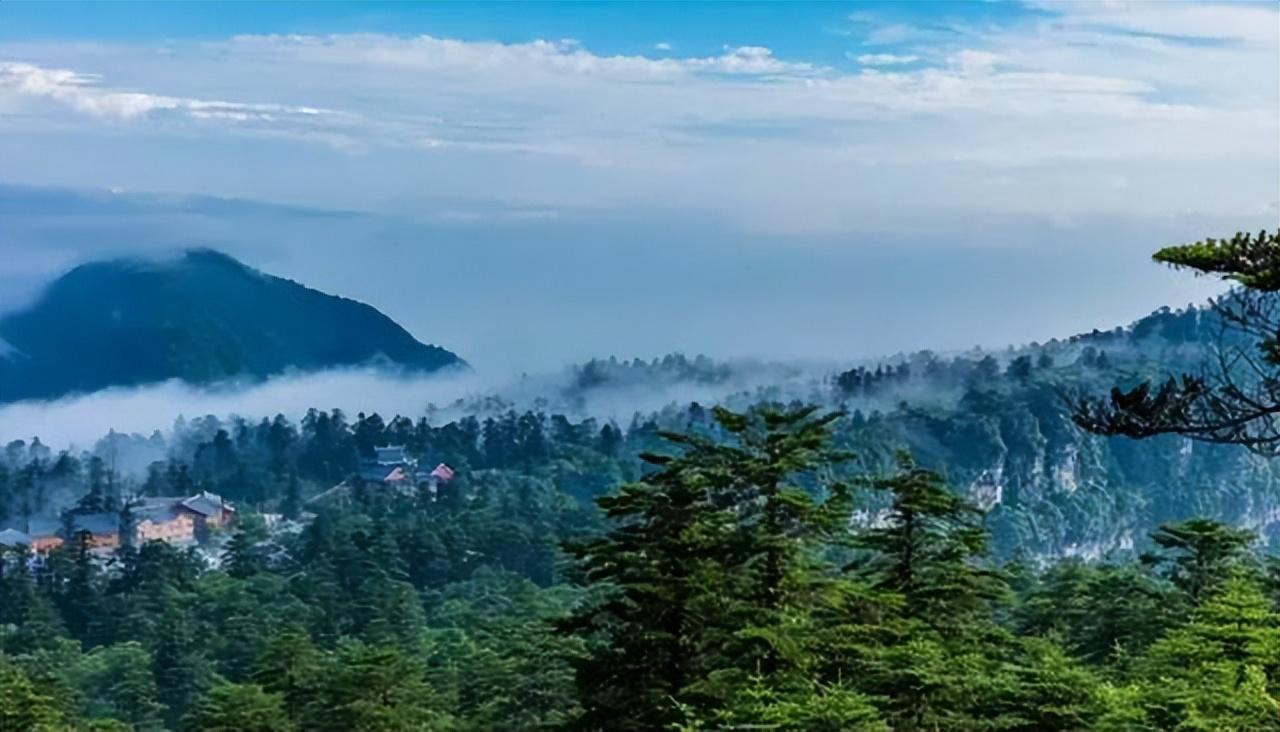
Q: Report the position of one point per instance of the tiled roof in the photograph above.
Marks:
(390, 454)
(41, 527)
(207, 504)
(156, 510)
(13, 537)
(96, 523)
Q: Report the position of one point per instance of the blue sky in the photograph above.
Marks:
(815, 31)
(597, 178)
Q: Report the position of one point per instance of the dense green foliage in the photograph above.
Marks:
(951, 553)
(995, 424)
(749, 575)
(202, 319)
(1253, 260)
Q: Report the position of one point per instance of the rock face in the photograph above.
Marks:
(1051, 489)
(203, 318)
(1004, 436)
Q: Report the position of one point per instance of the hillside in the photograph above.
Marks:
(202, 318)
(997, 425)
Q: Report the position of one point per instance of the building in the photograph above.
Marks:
(159, 519)
(103, 530)
(178, 520)
(173, 520)
(385, 463)
(207, 509)
(389, 468)
(443, 473)
(45, 533)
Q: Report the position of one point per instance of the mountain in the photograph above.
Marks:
(1000, 429)
(998, 426)
(202, 318)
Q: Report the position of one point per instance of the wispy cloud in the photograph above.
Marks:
(84, 93)
(1076, 95)
(566, 56)
(884, 59)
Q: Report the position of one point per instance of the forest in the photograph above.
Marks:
(777, 562)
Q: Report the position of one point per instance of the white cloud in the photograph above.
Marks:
(884, 59)
(1248, 22)
(773, 143)
(82, 419)
(84, 93)
(662, 46)
(565, 56)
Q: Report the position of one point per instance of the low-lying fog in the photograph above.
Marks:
(80, 421)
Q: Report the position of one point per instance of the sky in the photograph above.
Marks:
(532, 184)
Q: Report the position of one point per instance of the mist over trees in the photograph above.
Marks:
(900, 550)
(727, 584)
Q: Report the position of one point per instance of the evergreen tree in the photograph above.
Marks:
(291, 506)
(239, 708)
(654, 569)
(181, 672)
(929, 549)
(23, 706)
(375, 689)
(1233, 401)
(1217, 671)
(244, 556)
(1198, 553)
(710, 572)
(291, 666)
(116, 682)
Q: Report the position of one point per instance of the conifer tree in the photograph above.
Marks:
(1199, 553)
(710, 570)
(1219, 671)
(930, 549)
(293, 667)
(23, 706)
(239, 708)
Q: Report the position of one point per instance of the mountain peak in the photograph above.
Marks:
(202, 317)
(198, 256)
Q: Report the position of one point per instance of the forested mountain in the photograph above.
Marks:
(731, 582)
(203, 318)
(998, 425)
(918, 544)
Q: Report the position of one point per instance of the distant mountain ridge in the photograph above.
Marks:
(202, 318)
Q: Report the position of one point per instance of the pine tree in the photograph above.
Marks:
(117, 682)
(803, 707)
(291, 506)
(929, 549)
(180, 671)
(653, 569)
(23, 707)
(244, 556)
(239, 708)
(1212, 673)
(371, 689)
(710, 571)
(1199, 553)
(933, 656)
(293, 667)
